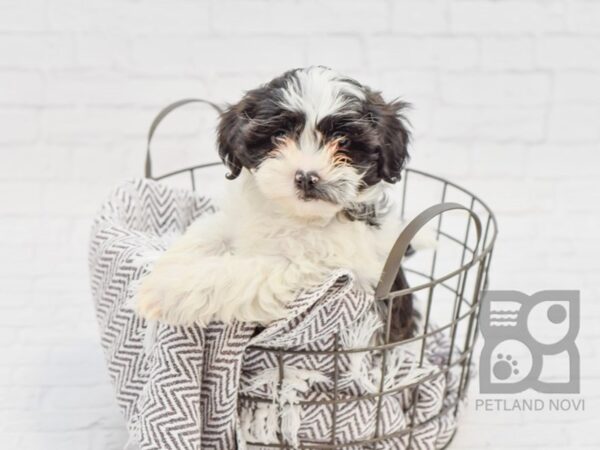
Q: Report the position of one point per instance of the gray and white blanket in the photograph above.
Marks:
(212, 388)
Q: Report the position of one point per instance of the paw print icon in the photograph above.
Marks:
(528, 340)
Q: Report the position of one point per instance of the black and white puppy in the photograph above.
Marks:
(312, 154)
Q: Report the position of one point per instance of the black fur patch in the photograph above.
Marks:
(247, 130)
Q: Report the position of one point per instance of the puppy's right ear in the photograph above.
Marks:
(230, 138)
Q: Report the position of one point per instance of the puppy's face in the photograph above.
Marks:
(314, 141)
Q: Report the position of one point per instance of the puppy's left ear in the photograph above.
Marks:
(393, 135)
(230, 139)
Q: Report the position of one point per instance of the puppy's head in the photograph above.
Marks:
(314, 141)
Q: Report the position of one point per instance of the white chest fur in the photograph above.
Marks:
(248, 260)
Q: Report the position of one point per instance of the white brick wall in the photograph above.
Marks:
(506, 98)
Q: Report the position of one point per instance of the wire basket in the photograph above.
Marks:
(447, 282)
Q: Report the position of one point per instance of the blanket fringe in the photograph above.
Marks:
(261, 423)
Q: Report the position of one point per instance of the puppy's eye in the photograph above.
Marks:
(343, 141)
(278, 135)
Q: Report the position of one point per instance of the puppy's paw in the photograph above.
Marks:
(160, 297)
(425, 239)
(170, 299)
(149, 299)
(148, 303)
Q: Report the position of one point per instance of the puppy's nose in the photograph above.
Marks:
(305, 181)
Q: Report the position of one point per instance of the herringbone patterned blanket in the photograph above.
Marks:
(211, 388)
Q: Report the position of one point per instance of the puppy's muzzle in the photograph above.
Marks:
(307, 184)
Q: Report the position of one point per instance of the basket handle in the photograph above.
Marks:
(159, 118)
(394, 259)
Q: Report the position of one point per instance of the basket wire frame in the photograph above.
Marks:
(474, 262)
